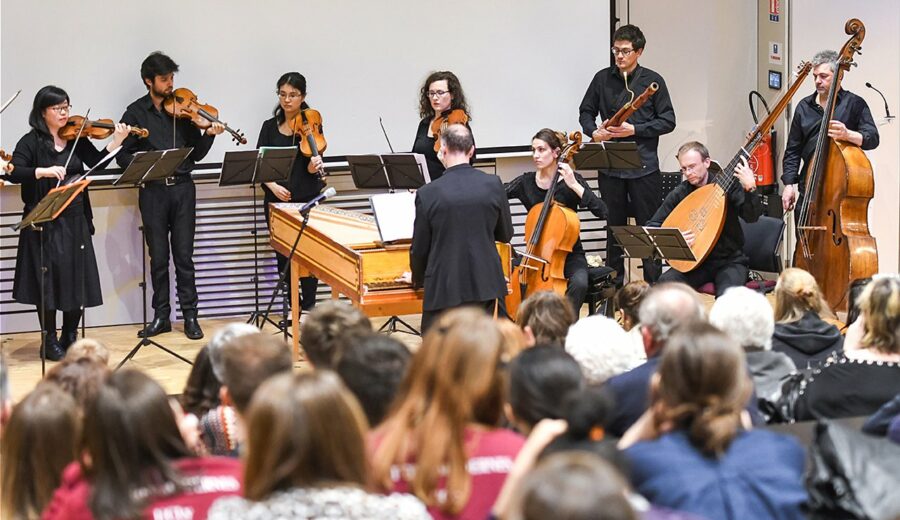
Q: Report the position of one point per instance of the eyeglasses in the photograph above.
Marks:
(290, 97)
(437, 93)
(61, 109)
(621, 52)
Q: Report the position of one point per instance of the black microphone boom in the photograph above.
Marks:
(887, 111)
(330, 192)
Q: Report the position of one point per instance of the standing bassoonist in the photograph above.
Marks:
(632, 106)
(703, 211)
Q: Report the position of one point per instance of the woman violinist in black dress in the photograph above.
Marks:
(440, 94)
(530, 189)
(71, 280)
(304, 183)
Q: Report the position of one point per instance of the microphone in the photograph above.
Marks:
(327, 194)
(887, 111)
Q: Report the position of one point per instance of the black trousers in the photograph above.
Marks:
(723, 272)
(169, 215)
(309, 285)
(576, 273)
(429, 317)
(48, 322)
(645, 195)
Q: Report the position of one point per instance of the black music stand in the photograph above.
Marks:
(388, 171)
(46, 210)
(652, 243)
(145, 167)
(608, 155)
(254, 167)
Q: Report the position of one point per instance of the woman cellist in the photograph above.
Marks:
(441, 97)
(304, 183)
(530, 189)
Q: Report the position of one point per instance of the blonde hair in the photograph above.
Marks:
(88, 348)
(880, 304)
(797, 293)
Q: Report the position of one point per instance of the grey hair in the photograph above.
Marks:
(458, 138)
(746, 316)
(668, 306)
(602, 348)
(220, 338)
(826, 56)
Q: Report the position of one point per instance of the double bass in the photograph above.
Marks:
(551, 231)
(833, 239)
(703, 211)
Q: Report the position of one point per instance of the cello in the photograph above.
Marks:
(703, 211)
(551, 231)
(833, 240)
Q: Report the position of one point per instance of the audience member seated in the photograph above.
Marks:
(666, 306)
(79, 377)
(853, 293)
(372, 368)
(602, 348)
(89, 348)
(541, 379)
(627, 304)
(800, 331)
(306, 456)
(39, 441)
(586, 414)
(136, 463)
(442, 441)
(514, 339)
(746, 316)
(886, 421)
(867, 375)
(247, 361)
(328, 328)
(691, 451)
(545, 318)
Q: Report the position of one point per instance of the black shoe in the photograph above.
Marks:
(52, 350)
(157, 326)
(282, 324)
(67, 339)
(192, 328)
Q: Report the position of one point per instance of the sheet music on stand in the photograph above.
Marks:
(153, 166)
(389, 171)
(52, 205)
(395, 214)
(608, 155)
(650, 242)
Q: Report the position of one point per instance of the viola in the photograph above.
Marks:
(307, 124)
(183, 104)
(6, 166)
(94, 129)
(457, 116)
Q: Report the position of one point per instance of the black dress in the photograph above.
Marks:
(848, 387)
(303, 186)
(425, 146)
(72, 277)
(525, 189)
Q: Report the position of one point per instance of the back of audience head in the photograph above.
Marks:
(586, 413)
(545, 317)
(879, 305)
(853, 293)
(572, 486)
(666, 307)
(80, 377)
(329, 327)
(89, 348)
(304, 430)
(514, 339)
(201, 391)
(702, 385)
(454, 380)
(540, 379)
(797, 293)
(132, 439)
(220, 338)
(746, 316)
(601, 347)
(372, 368)
(627, 301)
(39, 441)
(247, 361)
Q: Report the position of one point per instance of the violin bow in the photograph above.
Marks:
(386, 138)
(13, 98)
(74, 144)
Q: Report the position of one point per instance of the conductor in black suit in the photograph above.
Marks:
(458, 219)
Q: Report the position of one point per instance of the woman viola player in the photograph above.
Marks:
(530, 189)
(72, 280)
(440, 94)
(304, 183)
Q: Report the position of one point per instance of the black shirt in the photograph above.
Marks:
(606, 95)
(526, 190)
(425, 146)
(163, 135)
(745, 205)
(851, 110)
(304, 186)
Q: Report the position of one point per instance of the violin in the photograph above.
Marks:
(94, 129)
(308, 125)
(6, 166)
(457, 116)
(183, 103)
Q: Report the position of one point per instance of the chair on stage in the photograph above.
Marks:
(762, 240)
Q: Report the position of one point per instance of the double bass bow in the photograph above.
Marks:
(833, 239)
(551, 230)
(183, 103)
(703, 211)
